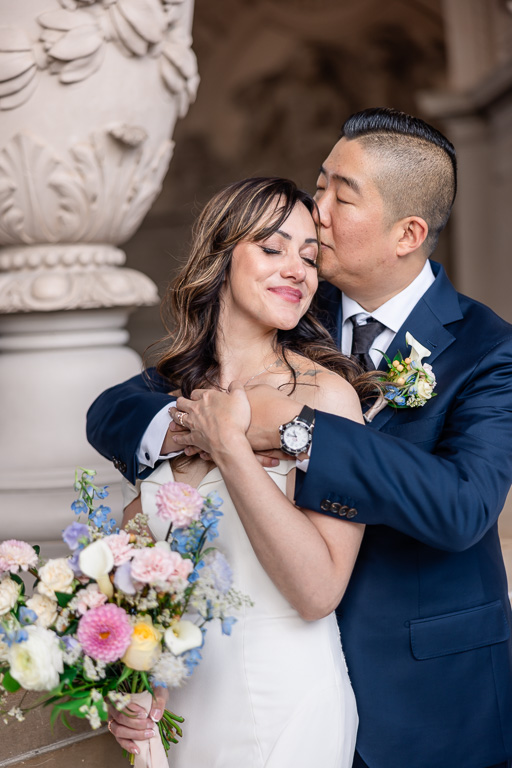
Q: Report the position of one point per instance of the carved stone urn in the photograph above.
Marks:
(90, 91)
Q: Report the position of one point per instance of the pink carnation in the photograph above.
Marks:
(16, 555)
(182, 567)
(105, 633)
(155, 565)
(120, 546)
(179, 504)
(89, 598)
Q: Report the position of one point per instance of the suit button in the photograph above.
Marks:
(326, 505)
(352, 512)
(343, 511)
(118, 464)
(335, 507)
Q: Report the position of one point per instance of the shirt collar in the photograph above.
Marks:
(395, 311)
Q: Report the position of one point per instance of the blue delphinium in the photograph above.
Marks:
(227, 624)
(26, 616)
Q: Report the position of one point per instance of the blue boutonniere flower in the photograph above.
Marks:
(408, 383)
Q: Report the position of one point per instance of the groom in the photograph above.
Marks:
(425, 621)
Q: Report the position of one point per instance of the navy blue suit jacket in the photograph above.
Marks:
(425, 621)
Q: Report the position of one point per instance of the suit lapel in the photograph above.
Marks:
(438, 307)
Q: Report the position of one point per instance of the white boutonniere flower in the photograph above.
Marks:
(408, 383)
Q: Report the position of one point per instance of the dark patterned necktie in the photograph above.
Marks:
(362, 339)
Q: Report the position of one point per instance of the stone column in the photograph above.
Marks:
(90, 91)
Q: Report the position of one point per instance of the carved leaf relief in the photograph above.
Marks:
(74, 44)
(18, 68)
(100, 194)
(178, 66)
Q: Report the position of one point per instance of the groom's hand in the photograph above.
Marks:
(269, 409)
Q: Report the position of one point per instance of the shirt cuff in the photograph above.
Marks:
(148, 452)
(303, 464)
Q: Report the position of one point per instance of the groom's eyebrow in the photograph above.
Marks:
(348, 180)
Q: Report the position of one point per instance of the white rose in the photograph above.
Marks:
(56, 576)
(46, 609)
(424, 389)
(9, 593)
(36, 662)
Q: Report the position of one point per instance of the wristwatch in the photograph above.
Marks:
(296, 435)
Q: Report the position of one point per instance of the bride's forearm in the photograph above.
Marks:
(310, 569)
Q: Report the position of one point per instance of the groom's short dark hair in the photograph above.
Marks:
(417, 175)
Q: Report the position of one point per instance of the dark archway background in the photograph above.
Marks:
(278, 78)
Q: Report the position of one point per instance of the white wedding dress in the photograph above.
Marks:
(274, 694)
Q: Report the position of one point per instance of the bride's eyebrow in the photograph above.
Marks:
(283, 234)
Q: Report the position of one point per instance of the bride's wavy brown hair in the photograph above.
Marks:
(251, 209)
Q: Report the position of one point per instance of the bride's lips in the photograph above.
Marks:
(287, 293)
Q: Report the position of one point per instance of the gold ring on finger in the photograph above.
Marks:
(109, 726)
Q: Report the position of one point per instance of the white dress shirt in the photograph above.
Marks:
(392, 314)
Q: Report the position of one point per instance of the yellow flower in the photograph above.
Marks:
(145, 647)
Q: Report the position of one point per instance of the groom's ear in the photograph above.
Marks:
(411, 234)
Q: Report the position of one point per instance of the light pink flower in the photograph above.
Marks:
(154, 565)
(105, 633)
(179, 504)
(183, 568)
(88, 598)
(17, 555)
(121, 548)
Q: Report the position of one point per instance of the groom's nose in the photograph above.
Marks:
(324, 209)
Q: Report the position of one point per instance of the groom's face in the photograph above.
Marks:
(358, 245)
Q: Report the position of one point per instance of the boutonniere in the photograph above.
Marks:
(408, 383)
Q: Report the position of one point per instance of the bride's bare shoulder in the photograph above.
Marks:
(325, 390)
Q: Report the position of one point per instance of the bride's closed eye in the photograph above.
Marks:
(268, 249)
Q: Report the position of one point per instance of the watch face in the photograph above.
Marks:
(296, 437)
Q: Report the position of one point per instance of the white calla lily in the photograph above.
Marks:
(418, 351)
(183, 636)
(96, 561)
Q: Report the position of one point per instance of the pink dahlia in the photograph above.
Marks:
(105, 632)
(156, 565)
(179, 504)
(120, 546)
(16, 555)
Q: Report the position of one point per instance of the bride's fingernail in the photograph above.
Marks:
(135, 751)
(157, 715)
(150, 734)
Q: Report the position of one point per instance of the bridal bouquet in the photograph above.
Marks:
(107, 621)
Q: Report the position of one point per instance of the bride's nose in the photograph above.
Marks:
(294, 267)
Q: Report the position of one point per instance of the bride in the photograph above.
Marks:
(275, 694)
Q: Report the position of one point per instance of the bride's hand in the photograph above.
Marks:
(133, 724)
(214, 419)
